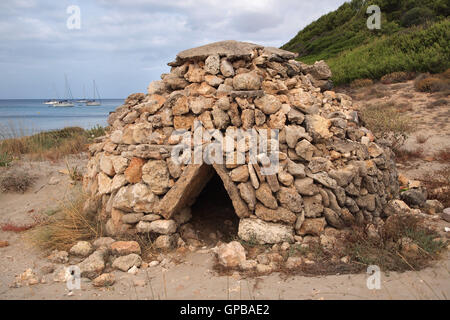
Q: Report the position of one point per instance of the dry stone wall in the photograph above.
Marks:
(331, 169)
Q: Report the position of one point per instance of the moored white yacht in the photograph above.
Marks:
(50, 102)
(66, 102)
(94, 102)
(63, 103)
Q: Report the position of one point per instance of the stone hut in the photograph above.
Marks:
(330, 169)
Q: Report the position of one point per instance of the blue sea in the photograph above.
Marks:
(25, 117)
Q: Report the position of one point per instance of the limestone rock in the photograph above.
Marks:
(158, 226)
(156, 174)
(414, 197)
(58, 256)
(231, 255)
(240, 174)
(137, 198)
(247, 193)
(93, 265)
(396, 207)
(81, 249)
(324, 179)
(195, 73)
(268, 104)
(296, 169)
(306, 187)
(285, 178)
(122, 248)
(133, 173)
(264, 194)
(305, 150)
(278, 215)
(433, 206)
(103, 242)
(253, 230)
(166, 242)
(319, 70)
(318, 126)
(290, 199)
(226, 68)
(247, 81)
(156, 87)
(212, 64)
(293, 263)
(104, 280)
(294, 134)
(333, 218)
(313, 206)
(312, 227)
(125, 263)
(104, 183)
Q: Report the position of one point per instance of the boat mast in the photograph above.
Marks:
(68, 91)
(98, 93)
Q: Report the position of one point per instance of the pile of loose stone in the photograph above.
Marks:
(332, 171)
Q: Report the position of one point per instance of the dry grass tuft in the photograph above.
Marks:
(443, 156)
(51, 145)
(396, 77)
(384, 120)
(387, 252)
(432, 83)
(16, 180)
(361, 83)
(62, 231)
(421, 139)
(403, 155)
(438, 186)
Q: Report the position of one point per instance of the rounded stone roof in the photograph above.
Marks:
(231, 49)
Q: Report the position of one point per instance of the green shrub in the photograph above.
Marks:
(419, 50)
(51, 145)
(342, 39)
(416, 16)
(96, 132)
(5, 159)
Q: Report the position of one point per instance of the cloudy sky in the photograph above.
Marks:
(125, 44)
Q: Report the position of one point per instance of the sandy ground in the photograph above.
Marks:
(429, 114)
(194, 278)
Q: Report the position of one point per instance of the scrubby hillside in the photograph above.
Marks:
(414, 36)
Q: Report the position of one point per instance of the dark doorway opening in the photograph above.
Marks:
(213, 213)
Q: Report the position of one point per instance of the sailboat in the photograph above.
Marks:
(94, 102)
(52, 101)
(84, 100)
(67, 102)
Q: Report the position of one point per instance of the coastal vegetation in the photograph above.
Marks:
(51, 145)
(414, 37)
(65, 227)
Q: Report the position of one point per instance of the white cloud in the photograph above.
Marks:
(135, 38)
